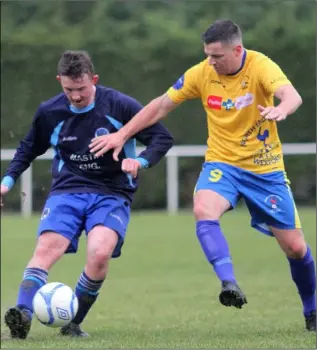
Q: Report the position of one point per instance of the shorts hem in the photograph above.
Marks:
(121, 236)
(70, 250)
(264, 228)
(232, 205)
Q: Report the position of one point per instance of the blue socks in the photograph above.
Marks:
(304, 275)
(216, 248)
(33, 280)
(87, 293)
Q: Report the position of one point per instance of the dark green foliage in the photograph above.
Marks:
(141, 48)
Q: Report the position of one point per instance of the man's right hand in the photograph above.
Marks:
(102, 144)
(149, 115)
(4, 190)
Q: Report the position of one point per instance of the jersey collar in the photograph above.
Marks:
(82, 110)
(242, 63)
(87, 108)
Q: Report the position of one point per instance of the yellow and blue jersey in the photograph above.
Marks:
(237, 134)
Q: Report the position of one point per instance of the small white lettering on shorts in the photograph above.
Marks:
(117, 217)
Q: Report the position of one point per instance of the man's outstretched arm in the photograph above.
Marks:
(154, 111)
(35, 143)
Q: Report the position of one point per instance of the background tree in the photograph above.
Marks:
(141, 48)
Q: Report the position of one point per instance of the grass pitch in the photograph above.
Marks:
(163, 294)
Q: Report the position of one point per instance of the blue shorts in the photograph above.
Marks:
(69, 214)
(267, 196)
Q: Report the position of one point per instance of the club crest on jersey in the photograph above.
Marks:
(101, 132)
(245, 82)
(179, 83)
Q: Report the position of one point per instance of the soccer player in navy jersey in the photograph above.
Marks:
(88, 193)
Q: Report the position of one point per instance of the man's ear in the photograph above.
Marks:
(95, 78)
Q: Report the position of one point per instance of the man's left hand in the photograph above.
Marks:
(131, 166)
(272, 113)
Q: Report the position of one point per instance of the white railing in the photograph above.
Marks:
(171, 170)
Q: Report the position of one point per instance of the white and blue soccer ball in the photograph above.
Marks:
(55, 304)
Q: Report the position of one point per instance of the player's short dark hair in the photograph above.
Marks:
(75, 64)
(222, 30)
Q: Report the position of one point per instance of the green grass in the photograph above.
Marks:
(163, 294)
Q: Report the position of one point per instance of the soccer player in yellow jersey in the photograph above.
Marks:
(244, 155)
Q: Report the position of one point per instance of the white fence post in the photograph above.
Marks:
(171, 171)
(27, 193)
(172, 183)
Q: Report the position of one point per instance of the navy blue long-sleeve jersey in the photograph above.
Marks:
(69, 131)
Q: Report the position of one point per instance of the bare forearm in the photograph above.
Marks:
(148, 116)
(290, 106)
(290, 100)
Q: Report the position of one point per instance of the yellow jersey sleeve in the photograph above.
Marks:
(271, 75)
(186, 86)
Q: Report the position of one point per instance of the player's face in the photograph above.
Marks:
(225, 59)
(81, 91)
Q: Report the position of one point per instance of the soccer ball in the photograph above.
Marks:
(55, 304)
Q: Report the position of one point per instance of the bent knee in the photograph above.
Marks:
(205, 212)
(101, 244)
(296, 249)
(49, 248)
(51, 242)
(99, 257)
(292, 242)
(209, 205)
